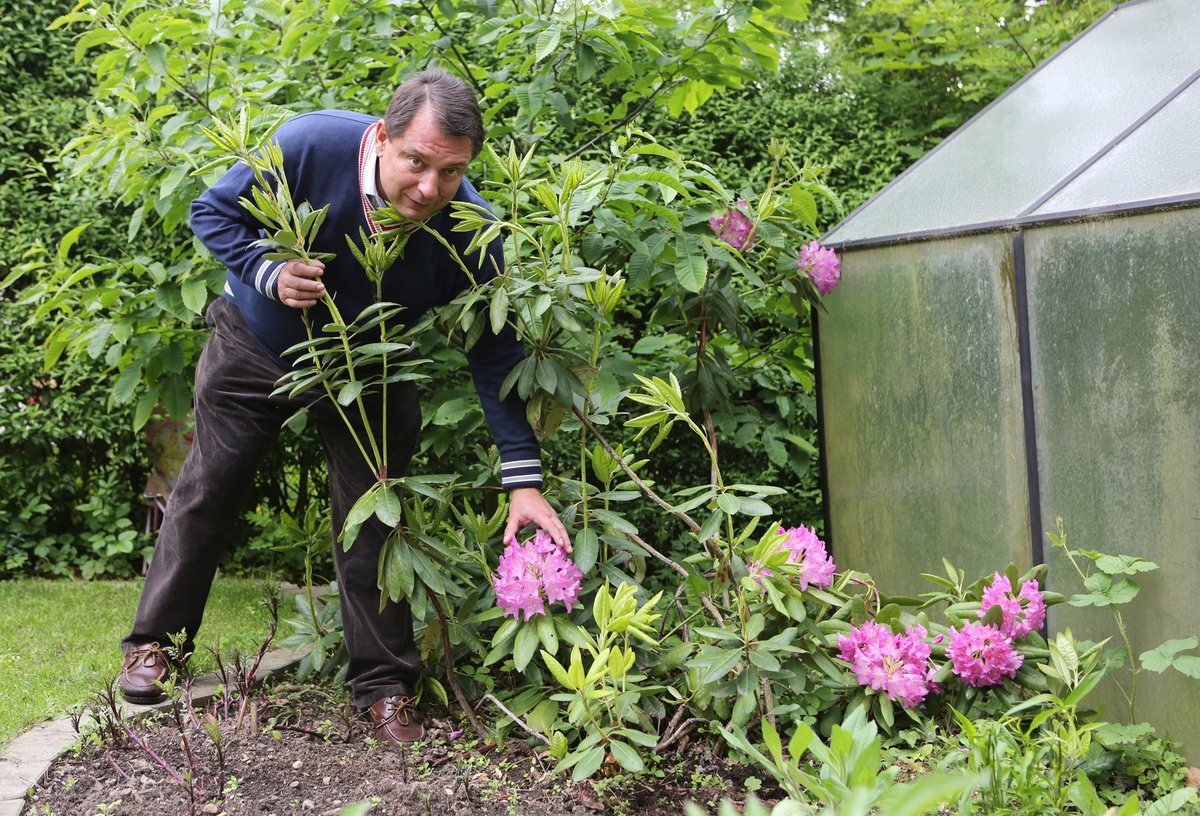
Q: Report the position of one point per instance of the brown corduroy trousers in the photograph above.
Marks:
(237, 422)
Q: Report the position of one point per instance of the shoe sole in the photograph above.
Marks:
(143, 699)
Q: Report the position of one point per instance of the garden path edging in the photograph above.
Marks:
(25, 761)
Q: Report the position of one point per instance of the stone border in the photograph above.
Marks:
(25, 761)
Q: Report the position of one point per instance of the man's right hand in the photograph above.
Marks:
(300, 283)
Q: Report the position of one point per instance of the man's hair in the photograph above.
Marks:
(452, 101)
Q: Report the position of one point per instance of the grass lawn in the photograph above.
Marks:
(60, 640)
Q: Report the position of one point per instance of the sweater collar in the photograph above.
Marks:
(368, 162)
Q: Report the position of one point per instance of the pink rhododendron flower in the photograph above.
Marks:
(533, 574)
(734, 227)
(805, 549)
(897, 665)
(821, 265)
(981, 655)
(1023, 612)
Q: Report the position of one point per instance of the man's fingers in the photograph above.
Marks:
(299, 283)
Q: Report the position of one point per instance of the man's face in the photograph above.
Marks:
(420, 169)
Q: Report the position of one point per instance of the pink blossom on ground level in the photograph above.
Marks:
(981, 655)
(897, 665)
(734, 227)
(535, 573)
(821, 265)
(804, 548)
(1023, 612)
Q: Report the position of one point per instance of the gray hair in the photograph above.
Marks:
(453, 103)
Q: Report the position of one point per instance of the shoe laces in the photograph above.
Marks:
(402, 710)
(148, 654)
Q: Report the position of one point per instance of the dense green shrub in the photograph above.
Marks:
(72, 475)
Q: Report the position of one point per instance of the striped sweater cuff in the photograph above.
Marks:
(266, 278)
(521, 473)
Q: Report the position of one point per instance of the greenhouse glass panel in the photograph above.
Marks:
(1018, 148)
(1115, 343)
(1160, 159)
(921, 402)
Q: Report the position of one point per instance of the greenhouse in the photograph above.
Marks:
(1016, 340)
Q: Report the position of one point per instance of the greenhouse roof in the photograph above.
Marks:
(1108, 123)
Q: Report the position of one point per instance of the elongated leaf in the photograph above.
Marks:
(626, 756)
(387, 506)
(526, 646)
(691, 265)
(547, 41)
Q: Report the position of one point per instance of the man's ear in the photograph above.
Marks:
(381, 135)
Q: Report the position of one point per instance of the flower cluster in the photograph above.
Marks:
(805, 549)
(981, 655)
(535, 573)
(734, 227)
(897, 665)
(1023, 612)
(821, 265)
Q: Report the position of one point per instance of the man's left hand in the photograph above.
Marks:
(527, 505)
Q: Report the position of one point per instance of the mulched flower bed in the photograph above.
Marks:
(303, 751)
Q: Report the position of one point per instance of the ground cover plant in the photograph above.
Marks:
(60, 640)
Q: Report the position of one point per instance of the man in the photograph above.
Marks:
(414, 159)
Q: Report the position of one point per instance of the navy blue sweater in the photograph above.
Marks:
(326, 160)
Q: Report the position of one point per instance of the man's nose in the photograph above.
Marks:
(428, 185)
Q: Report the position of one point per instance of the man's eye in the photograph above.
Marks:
(452, 172)
(413, 161)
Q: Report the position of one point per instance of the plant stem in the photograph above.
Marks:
(449, 659)
(642, 486)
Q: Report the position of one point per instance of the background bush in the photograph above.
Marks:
(861, 92)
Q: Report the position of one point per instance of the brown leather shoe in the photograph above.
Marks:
(144, 668)
(396, 720)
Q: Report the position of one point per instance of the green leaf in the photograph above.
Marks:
(558, 671)
(195, 294)
(547, 633)
(349, 392)
(498, 310)
(691, 264)
(547, 41)
(1106, 591)
(156, 55)
(1124, 564)
(588, 764)
(587, 550)
(526, 645)
(1161, 658)
(925, 794)
(626, 756)
(1188, 665)
(68, 241)
(388, 507)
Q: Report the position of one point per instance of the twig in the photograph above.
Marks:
(636, 539)
(1000, 22)
(679, 732)
(450, 677)
(768, 700)
(516, 719)
(642, 486)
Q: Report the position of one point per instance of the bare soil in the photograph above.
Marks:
(303, 750)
